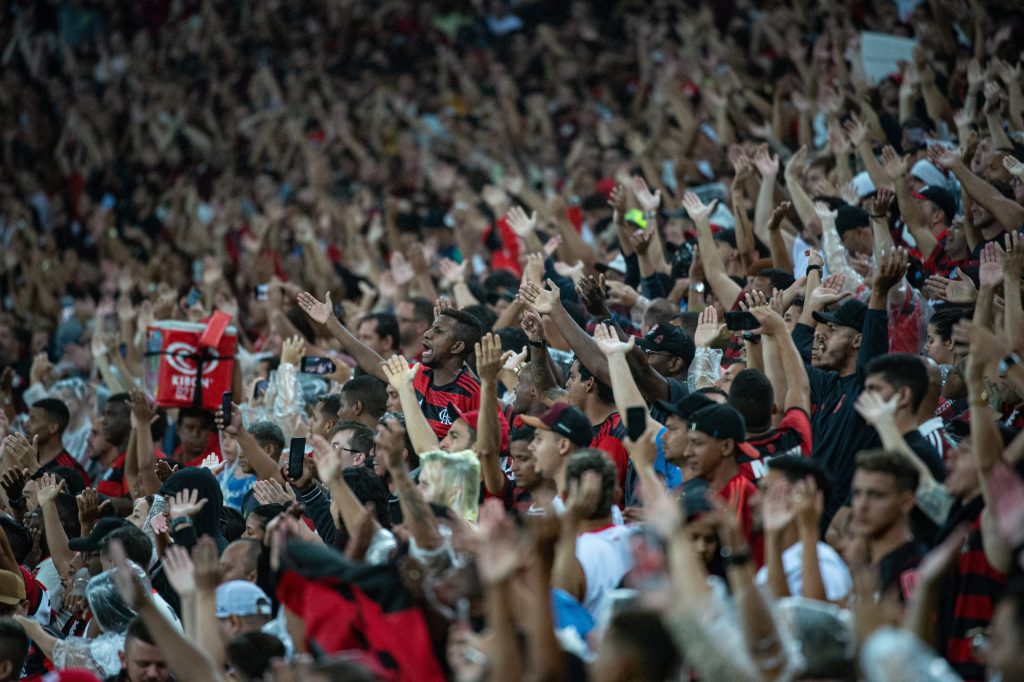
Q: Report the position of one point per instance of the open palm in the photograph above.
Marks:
(317, 311)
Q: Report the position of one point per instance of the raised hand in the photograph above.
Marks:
(319, 312)
(874, 409)
(825, 213)
(213, 463)
(269, 491)
(164, 470)
(499, 554)
(21, 452)
(892, 266)
(451, 271)
(766, 164)
(541, 300)
(389, 442)
(990, 272)
(617, 200)
(942, 157)
(649, 201)
(592, 293)
(532, 325)
(697, 210)
(857, 130)
(959, 291)
(824, 296)
(292, 350)
(180, 570)
(401, 269)
(207, 570)
(89, 508)
(777, 509)
(808, 503)
(894, 165)
(779, 214)
(1012, 164)
(795, 165)
(523, 225)
(708, 329)
(398, 371)
(609, 342)
(143, 412)
(326, 458)
(186, 503)
(584, 494)
(622, 295)
(772, 323)
(881, 204)
(128, 578)
(985, 347)
(644, 451)
(573, 272)
(533, 271)
(49, 489)
(13, 482)
(234, 426)
(488, 358)
(1014, 259)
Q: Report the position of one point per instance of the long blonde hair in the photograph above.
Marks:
(455, 478)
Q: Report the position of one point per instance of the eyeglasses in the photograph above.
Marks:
(658, 352)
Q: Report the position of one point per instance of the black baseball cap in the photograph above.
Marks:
(668, 338)
(685, 406)
(942, 198)
(565, 420)
(694, 498)
(850, 313)
(103, 528)
(720, 421)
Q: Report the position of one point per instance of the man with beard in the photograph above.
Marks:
(443, 378)
(414, 318)
(847, 338)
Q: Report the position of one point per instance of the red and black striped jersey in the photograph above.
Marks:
(64, 459)
(608, 436)
(463, 393)
(791, 437)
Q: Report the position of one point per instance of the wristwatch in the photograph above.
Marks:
(739, 556)
(1007, 362)
(751, 337)
(814, 266)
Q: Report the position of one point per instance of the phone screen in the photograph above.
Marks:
(316, 365)
(741, 321)
(295, 457)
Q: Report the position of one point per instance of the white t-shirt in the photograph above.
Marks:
(835, 576)
(606, 556)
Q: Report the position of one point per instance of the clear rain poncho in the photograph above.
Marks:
(100, 655)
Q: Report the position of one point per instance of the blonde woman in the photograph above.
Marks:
(452, 479)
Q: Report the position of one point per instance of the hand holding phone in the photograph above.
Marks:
(636, 422)
(225, 406)
(296, 454)
(741, 321)
(311, 364)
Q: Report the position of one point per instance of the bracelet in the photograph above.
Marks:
(181, 521)
(820, 270)
(518, 368)
(537, 344)
(752, 338)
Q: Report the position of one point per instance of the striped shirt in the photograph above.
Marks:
(64, 459)
(463, 393)
(607, 438)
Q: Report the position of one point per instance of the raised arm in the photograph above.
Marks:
(328, 466)
(400, 376)
(188, 662)
(262, 464)
(627, 393)
(323, 314)
(146, 481)
(910, 208)
(773, 330)
(726, 290)
(1007, 212)
(416, 513)
(488, 433)
(56, 538)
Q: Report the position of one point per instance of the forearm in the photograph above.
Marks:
(416, 513)
(1013, 313)
(188, 663)
(365, 357)
(920, 616)
(509, 316)
(913, 216)
(505, 663)
(872, 166)
(488, 438)
(348, 505)
(56, 539)
(147, 482)
(263, 465)
(208, 628)
(1007, 212)
(726, 290)
(801, 200)
(882, 238)
(421, 435)
(780, 252)
(546, 660)
(997, 131)
(797, 383)
(581, 343)
(754, 355)
(773, 369)
(983, 308)
(773, 560)
(566, 574)
(627, 393)
(893, 441)
(812, 585)
(463, 296)
(760, 633)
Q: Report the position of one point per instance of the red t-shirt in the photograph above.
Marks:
(607, 438)
(113, 482)
(738, 493)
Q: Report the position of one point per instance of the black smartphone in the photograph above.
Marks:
(636, 422)
(312, 364)
(741, 321)
(259, 389)
(225, 406)
(261, 292)
(193, 297)
(295, 456)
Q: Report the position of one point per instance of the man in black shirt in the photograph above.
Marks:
(851, 336)
(884, 484)
(905, 376)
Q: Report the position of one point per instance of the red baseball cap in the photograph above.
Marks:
(473, 416)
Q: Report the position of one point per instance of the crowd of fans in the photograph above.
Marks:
(596, 340)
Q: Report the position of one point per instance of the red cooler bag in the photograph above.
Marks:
(179, 352)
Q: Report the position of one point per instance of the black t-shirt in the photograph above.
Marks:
(898, 569)
(927, 453)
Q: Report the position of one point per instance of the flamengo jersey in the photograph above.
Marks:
(791, 437)
(463, 393)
